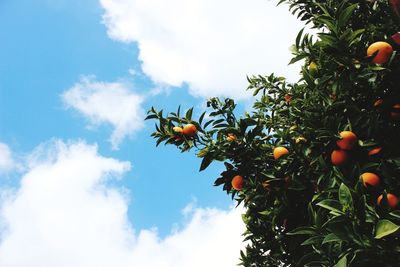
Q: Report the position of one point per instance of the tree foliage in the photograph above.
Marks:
(302, 210)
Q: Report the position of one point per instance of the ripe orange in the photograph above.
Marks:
(339, 157)
(237, 182)
(392, 200)
(370, 179)
(396, 38)
(348, 141)
(378, 103)
(374, 151)
(288, 98)
(395, 113)
(177, 129)
(189, 130)
(231, 137)
(280, 151)
(384, 50)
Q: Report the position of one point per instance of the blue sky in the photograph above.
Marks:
(102, 53)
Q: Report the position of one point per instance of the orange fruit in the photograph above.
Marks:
(177, 129)
(189, 130)
(374, 151)
(231, 137)
(280, 151)
(339, 157)
(312, 66)
(396, 38)
(348, 140)
(392, 200)
(288, 98)
(237, 182)
(395, 113)
(370, 179)
(378, 103)
(383, 49)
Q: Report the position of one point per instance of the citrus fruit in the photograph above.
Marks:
(348, 140)
(391, 200)
(177, 129)
(339, 157)
(370, 179)
(383, 52)
(395, 113)
(231, 137)
(378, 103)
(280, 151)
(288, 98)
(189, 130)
(237, 182)
(374, 151)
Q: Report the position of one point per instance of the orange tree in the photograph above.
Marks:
(316, 163)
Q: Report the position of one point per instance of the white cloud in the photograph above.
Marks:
(65, 215)
(110, 103)
(211, 45)
(6, 160)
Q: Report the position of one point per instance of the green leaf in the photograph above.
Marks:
(385, 228)
(205, 162)
(342, 262)
(331, 204)
(312, 240)
(345, 197)
(265, 212)
(346, 15)
(189, 114)
(396, 214)
(302, 231)
(331, 238)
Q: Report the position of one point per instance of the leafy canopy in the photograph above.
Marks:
(302, 210)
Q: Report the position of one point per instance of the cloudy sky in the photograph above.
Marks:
(81, 182)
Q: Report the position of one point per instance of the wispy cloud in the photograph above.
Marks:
(107, 103)
(7, 162)
(210, 45)
(64, 214)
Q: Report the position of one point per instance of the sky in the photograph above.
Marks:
(81, 181)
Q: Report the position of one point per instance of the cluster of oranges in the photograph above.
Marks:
(189, 130)
(394, 110)
(238, 180)
(340, 156)
(347, 142)
(373, 180)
